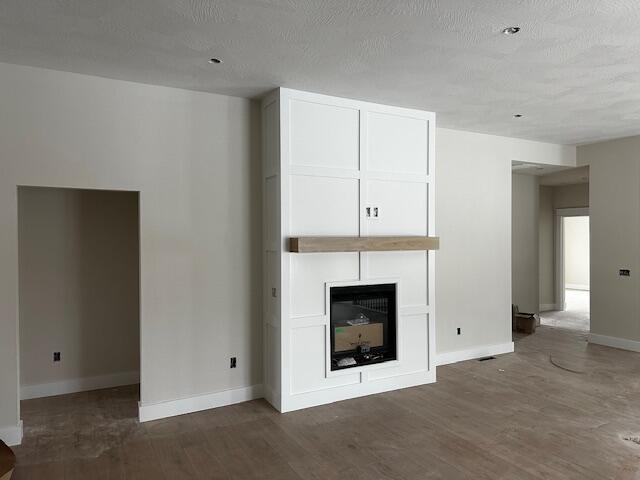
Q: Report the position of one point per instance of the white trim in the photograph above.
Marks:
(473, 353)
(356, 390)
(155, 411)
(75, 385)
(549, 307)
(12, 436)
(576, 286)
(615, 342)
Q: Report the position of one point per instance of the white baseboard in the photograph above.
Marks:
(325, 396)
(615, 342)
(198, 403)
(472, 353)
(78, 385)
(12, 436)
(548, 307)
(576, 286)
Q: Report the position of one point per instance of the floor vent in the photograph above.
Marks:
(484, 359)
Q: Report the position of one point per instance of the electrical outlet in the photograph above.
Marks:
(459, 331)
(232, 363)
(56, 356)
(624, 272)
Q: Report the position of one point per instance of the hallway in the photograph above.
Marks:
(575, 317)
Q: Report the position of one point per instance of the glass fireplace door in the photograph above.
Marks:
(363, 325)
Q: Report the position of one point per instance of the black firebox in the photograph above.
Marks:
(363, 325)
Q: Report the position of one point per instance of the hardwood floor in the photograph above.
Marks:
(558, 408)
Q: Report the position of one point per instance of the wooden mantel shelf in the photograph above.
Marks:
(361, 244)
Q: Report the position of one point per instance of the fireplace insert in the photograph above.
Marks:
(363, 325)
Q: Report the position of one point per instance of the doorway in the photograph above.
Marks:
(79, 305)
(572, 287)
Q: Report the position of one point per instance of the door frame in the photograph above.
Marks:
(559, 215)
(76, 385)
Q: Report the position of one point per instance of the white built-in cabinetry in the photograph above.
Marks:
(334, 166)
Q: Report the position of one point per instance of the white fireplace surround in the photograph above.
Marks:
(327, 162)
(363, 368)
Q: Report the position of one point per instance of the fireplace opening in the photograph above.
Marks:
(363, 325)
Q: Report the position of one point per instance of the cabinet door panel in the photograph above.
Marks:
(324, 206)
(272, 277)
(272, 358)
(397, 144)
(272, 213)
(402, 208)
(271, 140)
(324, 135)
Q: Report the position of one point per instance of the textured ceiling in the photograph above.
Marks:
(573, 71)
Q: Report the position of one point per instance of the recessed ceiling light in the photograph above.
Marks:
(215, 60)
(518, 115)
(510, 30)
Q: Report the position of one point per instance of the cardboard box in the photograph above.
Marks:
(348, 337)
(525, 323)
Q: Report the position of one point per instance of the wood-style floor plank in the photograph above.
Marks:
(558, 408)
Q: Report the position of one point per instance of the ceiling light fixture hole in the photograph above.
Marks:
(510, 30)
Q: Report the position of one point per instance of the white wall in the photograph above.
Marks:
(576, 252)
(194, 157)
(473, 209)
(525, 279)
(614, 211)
(79, 288)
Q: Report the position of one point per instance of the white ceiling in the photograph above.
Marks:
(573, 71)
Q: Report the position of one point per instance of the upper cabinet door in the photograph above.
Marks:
(324, 135)
(397, 143)
(396, 208)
